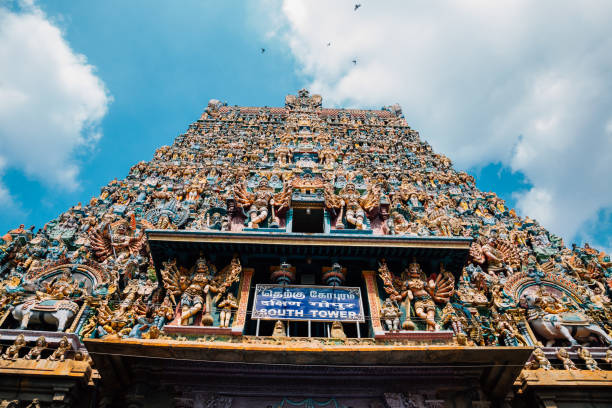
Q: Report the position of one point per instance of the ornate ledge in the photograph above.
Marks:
(199, 330)
(563, 378)
(81, 370)
(443, 336)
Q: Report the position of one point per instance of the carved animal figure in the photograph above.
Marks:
(56, 312)
(563, 326)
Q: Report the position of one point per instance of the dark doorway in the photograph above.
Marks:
(308, 220)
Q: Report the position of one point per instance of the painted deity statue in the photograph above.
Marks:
(260, 201)
(352, 204)
(193, 298)
(62, 287)
(419, 291)
(12, 352)
(390, 315)
(328, 157)
(195, 291)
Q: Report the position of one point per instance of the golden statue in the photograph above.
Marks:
(12, 352)
(62, 349)
(36, 351)
(589, 361)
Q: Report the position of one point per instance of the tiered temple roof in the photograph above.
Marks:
(165, 262)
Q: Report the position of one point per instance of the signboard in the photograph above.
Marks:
(317, 303)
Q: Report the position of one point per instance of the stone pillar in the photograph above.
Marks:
(373, 302)
(243, 301)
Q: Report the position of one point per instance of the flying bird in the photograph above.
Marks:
(328, 44)
(263, 50)
(354, 62)
(357, 6)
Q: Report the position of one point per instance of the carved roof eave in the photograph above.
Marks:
(453, 249)
(497, 366)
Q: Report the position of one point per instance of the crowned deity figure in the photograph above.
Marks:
(62, 287)
(197, 296)
(260, 200)
(191, 302)
(283, 155)
(414, 288)
(328, 157)
(354, 205)
(196, 291)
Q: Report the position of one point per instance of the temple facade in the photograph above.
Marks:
(300, 256)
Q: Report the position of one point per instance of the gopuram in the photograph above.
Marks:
(300, 256)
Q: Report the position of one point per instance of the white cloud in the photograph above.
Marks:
(51, 101)
(525, 83)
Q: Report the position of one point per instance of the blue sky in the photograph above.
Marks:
(160, 67)
(494, 88)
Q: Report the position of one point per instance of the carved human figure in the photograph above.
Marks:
(62, 287)
(164, 313)
(191, 302)
(398, 225)
(283, 155)
(12, 352)
(589, 361)
(563, 355)
(337, 331)
(438, 219)
(257, 201)
(510, 334)
(260, 200)
(449, 315)
(328, 157)
(34, 404)
(279, 329)
(36, 351)
(59, 354)
(415, 287)
(420, 290)
(390, 315)
(539, 361)
(228, 305)
(597, 298)
(608, 357)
